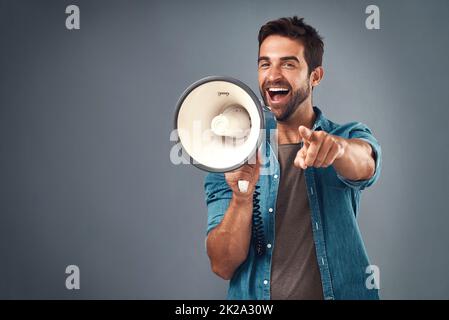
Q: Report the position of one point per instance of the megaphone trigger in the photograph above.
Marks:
(243, 186)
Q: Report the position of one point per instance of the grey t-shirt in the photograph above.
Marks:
(294, 272)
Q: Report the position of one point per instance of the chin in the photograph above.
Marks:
(278, 115)
(277, 111)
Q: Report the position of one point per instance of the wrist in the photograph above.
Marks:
(242, 198)
(343, 146)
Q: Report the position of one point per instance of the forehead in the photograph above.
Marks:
(276, 46)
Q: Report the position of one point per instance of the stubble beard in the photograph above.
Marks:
(298, 97)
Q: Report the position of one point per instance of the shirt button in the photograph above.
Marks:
(275, 176)
(270, 210)
(265, 282)
(269, 245)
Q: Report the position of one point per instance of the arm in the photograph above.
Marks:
(356, 161)
(228, 243)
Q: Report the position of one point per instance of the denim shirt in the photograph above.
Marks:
(334, 205)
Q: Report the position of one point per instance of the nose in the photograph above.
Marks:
(274, 74)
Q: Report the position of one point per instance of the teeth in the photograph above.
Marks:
(277, 89)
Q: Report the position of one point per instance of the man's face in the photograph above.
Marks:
(284, 82)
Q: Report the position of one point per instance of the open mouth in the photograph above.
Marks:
(278, 94)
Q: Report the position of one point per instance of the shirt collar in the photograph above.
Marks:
(321, 123)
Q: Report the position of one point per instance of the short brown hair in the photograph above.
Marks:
(297, 29)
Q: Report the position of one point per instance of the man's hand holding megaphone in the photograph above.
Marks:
(248, 172)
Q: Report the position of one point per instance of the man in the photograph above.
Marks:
(313, 247)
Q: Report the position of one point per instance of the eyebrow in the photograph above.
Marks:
(290, 58)
(264, 58)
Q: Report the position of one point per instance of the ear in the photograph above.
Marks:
(316, 76)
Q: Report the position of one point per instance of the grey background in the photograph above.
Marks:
(85, 119)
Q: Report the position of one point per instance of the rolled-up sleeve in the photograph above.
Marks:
(218, 197)
(357, 130)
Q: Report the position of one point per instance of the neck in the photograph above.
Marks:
(288, 129)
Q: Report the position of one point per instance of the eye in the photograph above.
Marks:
(289, 65)
(263, 65)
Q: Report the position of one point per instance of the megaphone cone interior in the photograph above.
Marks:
(219, 122)
(234, 122)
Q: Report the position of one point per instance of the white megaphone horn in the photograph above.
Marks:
(219, 122)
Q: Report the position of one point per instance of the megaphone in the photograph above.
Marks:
(219, 121)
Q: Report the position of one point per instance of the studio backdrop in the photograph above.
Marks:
(87, 184)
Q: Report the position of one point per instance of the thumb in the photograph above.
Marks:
(305, 133)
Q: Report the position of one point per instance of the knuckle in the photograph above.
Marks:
(313, 153)
(319, 161)
(323, 134)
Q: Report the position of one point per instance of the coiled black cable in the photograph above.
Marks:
(258, 233)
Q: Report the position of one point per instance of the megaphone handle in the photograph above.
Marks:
(243, 185)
